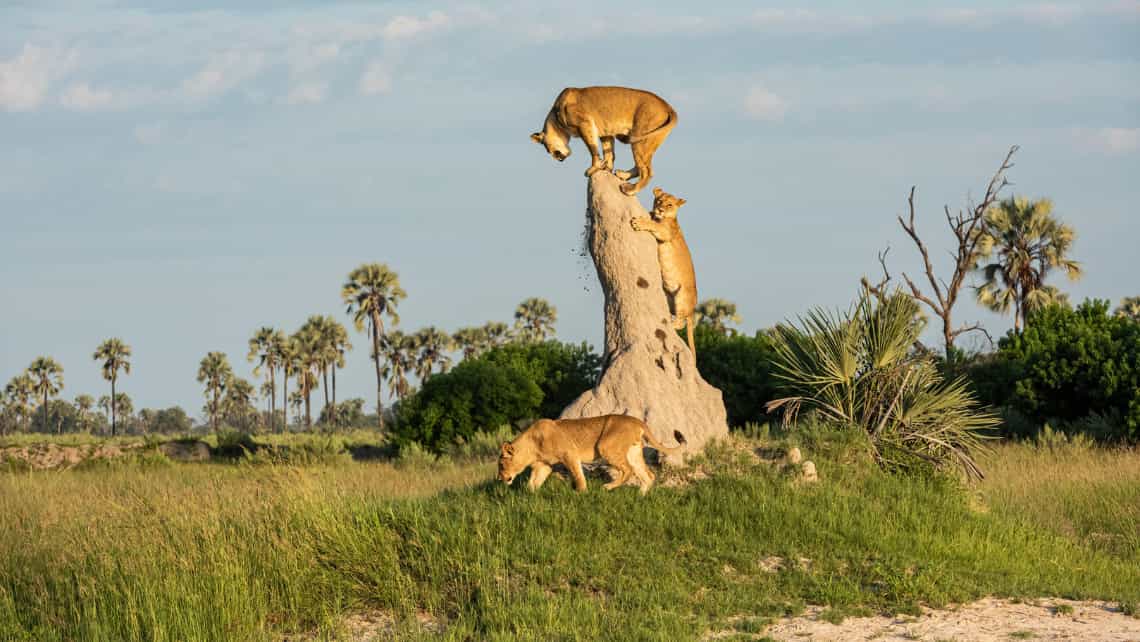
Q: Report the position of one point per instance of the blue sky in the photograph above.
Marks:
(181, 173)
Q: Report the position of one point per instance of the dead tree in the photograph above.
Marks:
(966, 226)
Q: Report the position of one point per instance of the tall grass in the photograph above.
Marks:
(254, 552)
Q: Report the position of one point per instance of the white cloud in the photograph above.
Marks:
(307, 94)
(376, 79)
(82, 97)
(1113, 140)
(806, 20)
(306, 59)
(762, 104)
(25, 79)
(411, 26)
(222, 73)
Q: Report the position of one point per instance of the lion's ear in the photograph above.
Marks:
(680, 202)
(657, 191)
(507, 448)
(536, 137)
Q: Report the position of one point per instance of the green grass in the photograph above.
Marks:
(255, 552)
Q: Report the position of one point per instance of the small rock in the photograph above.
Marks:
(809, 472)
(795, 456)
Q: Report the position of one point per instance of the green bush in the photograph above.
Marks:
(741, 367)
(1068, 364)
(505, 385)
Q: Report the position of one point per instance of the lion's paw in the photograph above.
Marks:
(629, 189)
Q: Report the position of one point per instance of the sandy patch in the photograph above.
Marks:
(987, 620)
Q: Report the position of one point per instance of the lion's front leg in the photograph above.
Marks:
(646, 224)
(589, 135)
(538, 474)
(608, 152)
(575, 467)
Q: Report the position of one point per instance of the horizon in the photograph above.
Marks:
(179, 174)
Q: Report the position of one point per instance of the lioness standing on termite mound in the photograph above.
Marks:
(616, 438)
(677, 275)
(632, 116)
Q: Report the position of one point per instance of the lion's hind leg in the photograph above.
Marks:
(636, 459)
(616, 458)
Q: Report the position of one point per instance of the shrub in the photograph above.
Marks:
(861, 369)
(505, 385)
(741, 367)
(1069, 363)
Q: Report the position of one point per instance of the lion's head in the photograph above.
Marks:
(665, 205)
(511, 462)
(557, 144)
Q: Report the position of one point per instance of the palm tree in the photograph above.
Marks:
(286, 358)
(123, 406)
(215, 372)
(472, 341)
(1129, 308)
(263, 349)
(318, 338)
(308, 346)
(496, 333)
(535, 318)
(47, 378)
(397, 350)
(860, 369)
(339, 345)
(84, 404)
(372, 291)
(716, 313)
(433, 346)
(238, 402)
(20, 391)
(1028, 243)
(115, 356)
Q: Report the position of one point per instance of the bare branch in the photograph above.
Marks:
(879, 289)
(966, 226)
(976, 327)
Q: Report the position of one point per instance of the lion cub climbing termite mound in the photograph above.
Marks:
(616, 438)
(632, 116)
(677, 275)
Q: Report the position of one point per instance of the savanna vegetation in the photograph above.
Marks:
(945, 475)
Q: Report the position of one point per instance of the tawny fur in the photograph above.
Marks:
(601, 114)
(677, 275)
(616, 438)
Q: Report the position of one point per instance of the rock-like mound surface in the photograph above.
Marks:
(648, 372)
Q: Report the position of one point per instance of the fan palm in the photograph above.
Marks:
(859, 369)
(340, 345)
(1129, 308)
(472, 341)
(496, 333)
(263, 349)
(47, 379)
(20, 391)
(215, 372)
(309, 349)
(535, 319)
(115, 355)
(432, 346)
(238, 402)
(398, 351)
(123, 406)
(716, 313)
(83, 405)
(286, 358)
(371, 292)
(1027, 243)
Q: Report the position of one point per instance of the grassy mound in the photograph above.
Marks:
(213, 552)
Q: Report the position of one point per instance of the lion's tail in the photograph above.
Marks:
(667, 125)
(659, 447)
